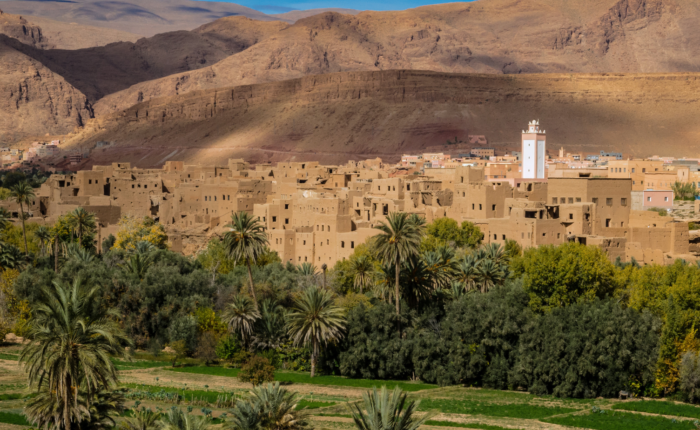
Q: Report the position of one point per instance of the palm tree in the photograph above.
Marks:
(489, 275)
(269, 328)
(307, 269)
(72, 342)
(399, 239)
(386, 411)
(137, 264)
(246, 241)
(88, 412)
(268, 408)
(363, 268)
(43, 235)
(177, 419)
(468, 272)
(4, 218)
(81, 221)
(23, 194)
(240, 315)
(11, 257)
(77, 253)
(315, 319)
(143, 419)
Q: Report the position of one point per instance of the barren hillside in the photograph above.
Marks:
(48, 34)
(486, 36)
(352, 115)
(143, 17)
(34, 100)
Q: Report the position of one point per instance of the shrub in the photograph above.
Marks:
(257, 371)
(227, 347)
(184, 328)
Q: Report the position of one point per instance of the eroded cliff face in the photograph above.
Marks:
(353, 115)
(488, 36)
(19, 28)
(34, 100)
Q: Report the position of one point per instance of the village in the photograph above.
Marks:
(319, 214)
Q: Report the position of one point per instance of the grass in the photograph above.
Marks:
(303, 378)
(13, 418)
(611, 420)
(12, 357)
(313, 404)
(210, 396)
(138, 364)
(462, 425)
(504, 410)
(661, 408)
(16, 396)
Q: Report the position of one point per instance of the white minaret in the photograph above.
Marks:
(533, 152)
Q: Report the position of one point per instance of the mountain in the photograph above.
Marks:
(352, 115)
(143, 17)
(103, 70)
(34, 100)
(44, 33)
(296, 15)
(486, 36)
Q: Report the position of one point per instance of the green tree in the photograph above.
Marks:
(268, 408)
(23, 194)
(43, 235)
(71, 344)
(398, 241)
(81, 221)
(446, 231)
(315, 320)
(246, 242)
(556, 276)
(387, 411)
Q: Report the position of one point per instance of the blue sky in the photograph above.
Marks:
(280, 6)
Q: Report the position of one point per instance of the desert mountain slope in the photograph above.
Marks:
(48, 34)
(143, 17)
(486, 36)
(353, 115)
(103, 70)
(296, 15)
(34, 100)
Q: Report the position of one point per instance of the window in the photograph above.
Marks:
(132, 185)
(286, 220)
(493, 207)
(328, 242)
(479, 206)
(595, 200)
(495, 237)
(648, 199)
(623, 201)
(554, 200)
(558, 235)
(607, 222)
(578, 199)
(286, 206)
(571, 216)
(544, 234)
(644, 170)
(472, 206)
(329, 229)
(571, 200)
(608, 201)
(622, 224)
(504, 237)
(562, 200)
(522, 235)
(352, 245)
(89, 181)
(379, 187)
(323, 228)
(633, 170)
(665, 199)
(274, 219)
(342, 244)
(304, 244)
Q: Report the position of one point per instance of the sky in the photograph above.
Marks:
(281, 6)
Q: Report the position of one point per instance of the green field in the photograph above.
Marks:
(611, 420)
(13, 357)
(313, 404)
(303, 378)
(466, 426)
(661, 408)
(13, 418)
(505, 410)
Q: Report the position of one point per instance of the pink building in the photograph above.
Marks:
(657, 199)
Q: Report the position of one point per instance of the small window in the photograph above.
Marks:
(480, 206)
(554, 200)
(665, 199)
(609, 201)
(352, 245)
(89, 181)
(571, 216)
(648, 199)
(274, 219)
(342, 244)
(304, 244)
(495, 237)
(286, 220)
(595, 200)
(623, 201)
(286, 205)
(472, 206)
(493, 207)
(504, 237)
(607, 222)
(633, 170)
(558, 235)
(578, 199)
(571, 200)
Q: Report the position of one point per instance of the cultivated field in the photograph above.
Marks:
(155, 384)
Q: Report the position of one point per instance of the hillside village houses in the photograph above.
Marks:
(320, 214)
